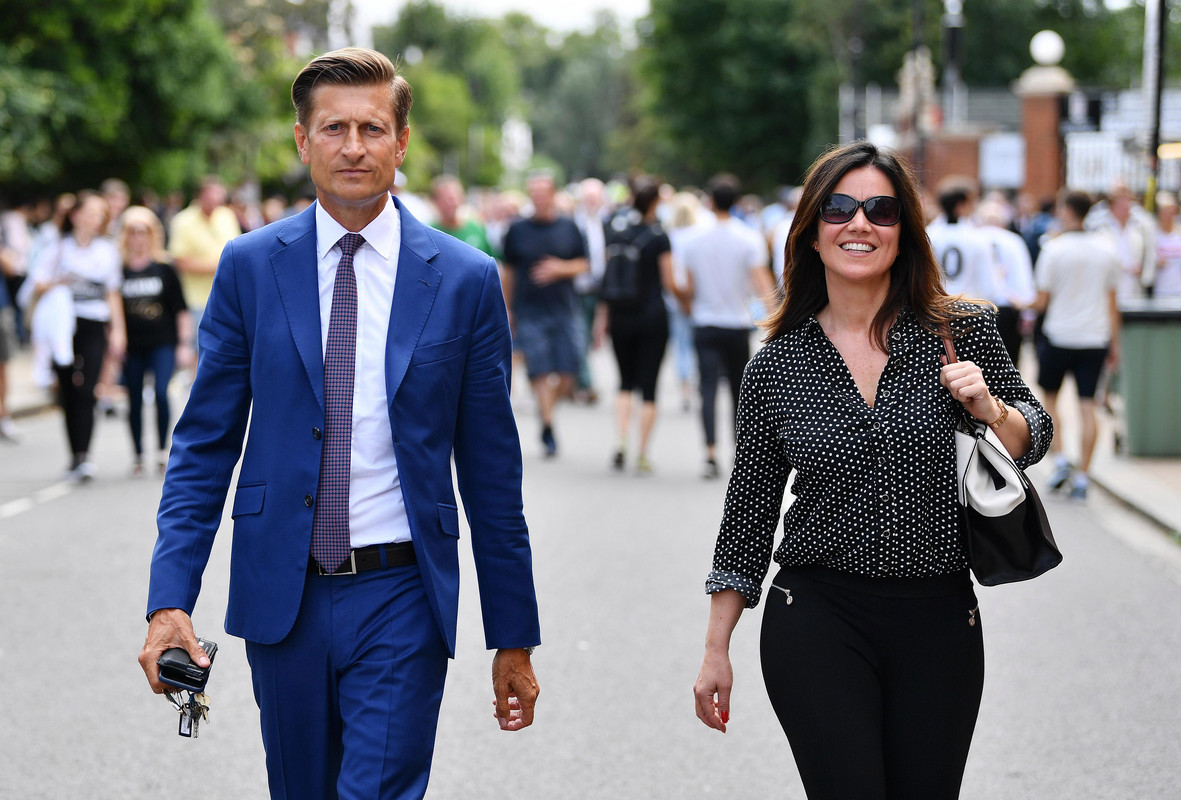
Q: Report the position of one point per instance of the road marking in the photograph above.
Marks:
(53, 492)
(14, 507)
(23, 504)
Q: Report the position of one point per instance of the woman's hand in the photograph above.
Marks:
(711, 691)
(966, 383)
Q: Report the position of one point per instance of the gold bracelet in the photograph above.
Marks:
(999, 421)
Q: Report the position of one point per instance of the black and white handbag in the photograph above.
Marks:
(1008, 536)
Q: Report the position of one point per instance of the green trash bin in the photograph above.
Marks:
(1150, 375)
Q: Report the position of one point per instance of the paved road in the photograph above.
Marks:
(1083, 695)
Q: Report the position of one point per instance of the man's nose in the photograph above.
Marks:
(354, 143)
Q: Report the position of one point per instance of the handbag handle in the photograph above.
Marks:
(948, 347)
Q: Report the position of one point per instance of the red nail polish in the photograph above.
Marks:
(725, 717)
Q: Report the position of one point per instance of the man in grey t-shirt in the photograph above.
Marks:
(725, 268)
(1078, 273)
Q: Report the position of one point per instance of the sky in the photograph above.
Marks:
(562, 15)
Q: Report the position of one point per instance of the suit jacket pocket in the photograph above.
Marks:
(440, 351)
(449, 519)
(248, 499)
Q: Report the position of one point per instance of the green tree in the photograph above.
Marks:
(729, 87)
(130, 88)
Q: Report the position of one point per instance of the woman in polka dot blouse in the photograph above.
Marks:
(871, 641)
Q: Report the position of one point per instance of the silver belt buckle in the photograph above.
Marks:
(351, 561)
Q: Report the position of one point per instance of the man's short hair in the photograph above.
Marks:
(954, 192)
(724, 190)
(1079, 203)
(351, 66)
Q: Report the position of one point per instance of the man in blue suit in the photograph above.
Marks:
(363, 351)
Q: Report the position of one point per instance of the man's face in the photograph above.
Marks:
(448, 198)
(212, 195)
(541, 194)
(352, 146)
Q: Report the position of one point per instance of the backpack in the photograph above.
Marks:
(627, 236)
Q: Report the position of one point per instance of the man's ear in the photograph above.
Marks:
(301, 142)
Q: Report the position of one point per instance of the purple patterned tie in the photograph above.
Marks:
(330, 522)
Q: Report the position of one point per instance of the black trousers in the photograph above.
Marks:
(876, 681)
(1008, 324)
(720, 351)
(76, 382)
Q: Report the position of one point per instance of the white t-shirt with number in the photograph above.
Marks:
(965, 256)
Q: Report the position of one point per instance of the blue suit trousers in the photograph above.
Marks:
(349, 700)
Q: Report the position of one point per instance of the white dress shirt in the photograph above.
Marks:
(377, 512)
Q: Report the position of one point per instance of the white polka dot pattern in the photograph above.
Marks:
(874, 487)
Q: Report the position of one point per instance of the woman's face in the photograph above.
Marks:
(138, 238)
(858, 251)
(88, 219)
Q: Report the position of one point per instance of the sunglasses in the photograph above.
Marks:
(838, 209)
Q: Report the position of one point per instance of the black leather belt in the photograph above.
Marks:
(362, 559)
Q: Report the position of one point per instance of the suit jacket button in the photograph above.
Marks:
(315, 433)
(307, 500)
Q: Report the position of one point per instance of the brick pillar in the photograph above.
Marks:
(1041, 90)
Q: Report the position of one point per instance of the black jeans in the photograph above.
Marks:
(876, 681)
(720, 350)
(76, 382)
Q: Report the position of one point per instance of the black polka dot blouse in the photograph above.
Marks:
(874, 487)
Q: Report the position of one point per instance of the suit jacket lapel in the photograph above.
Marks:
(295, 273)
(414, 295)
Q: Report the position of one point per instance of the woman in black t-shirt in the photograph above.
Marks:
(159, 328)
(639, 324)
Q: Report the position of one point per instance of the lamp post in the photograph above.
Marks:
(1156, 14)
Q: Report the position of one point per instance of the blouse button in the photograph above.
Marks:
(884, 497)
(885, 392)
(896, 336)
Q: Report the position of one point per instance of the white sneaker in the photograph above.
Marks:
(82, 473)
(8, 430)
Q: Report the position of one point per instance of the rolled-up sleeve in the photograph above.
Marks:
(754, 496)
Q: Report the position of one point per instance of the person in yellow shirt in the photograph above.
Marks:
(197, 235)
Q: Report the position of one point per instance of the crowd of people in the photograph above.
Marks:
(702, 265)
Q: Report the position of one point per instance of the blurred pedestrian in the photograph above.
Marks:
(725, 268)
(1012, 274)
(449, 199)
(960, 249)
(685, 223)
(17, 238)
(159, 328)
(590, 215)
(1168, 247)
(88, 264)
(196, 238)
(638, 322)
(872, 651)
(1078, 277)
(9, 432)
(542, 255)
(118, 196)
(1132, 231)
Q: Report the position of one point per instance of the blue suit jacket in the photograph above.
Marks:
(448, 362)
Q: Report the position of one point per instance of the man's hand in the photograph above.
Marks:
(170, 627)
(548, 270)
(515, 687)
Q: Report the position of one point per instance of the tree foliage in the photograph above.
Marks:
(730, 84)
(124, 88)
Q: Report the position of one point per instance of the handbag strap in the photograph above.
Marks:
(948, 347)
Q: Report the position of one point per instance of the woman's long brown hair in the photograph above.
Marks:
(915, 277)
